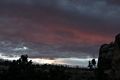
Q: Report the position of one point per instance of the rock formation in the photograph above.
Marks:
(109, 60)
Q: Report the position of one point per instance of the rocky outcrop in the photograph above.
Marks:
(109, 60)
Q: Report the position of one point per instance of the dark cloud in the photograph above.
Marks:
(90, 13)
(64, 23)
(48, 51)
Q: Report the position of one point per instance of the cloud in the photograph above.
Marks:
(94, 15)
(10, 48)
(94, 8)
(48, 32)
(77, 26)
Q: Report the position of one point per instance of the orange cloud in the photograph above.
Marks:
(55, 34)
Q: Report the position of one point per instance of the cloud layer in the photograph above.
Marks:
(61, 28)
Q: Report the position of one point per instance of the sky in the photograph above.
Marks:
(57, 28)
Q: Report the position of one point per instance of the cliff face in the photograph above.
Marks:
(109, 60)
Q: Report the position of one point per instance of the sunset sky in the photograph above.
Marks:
(57, 28)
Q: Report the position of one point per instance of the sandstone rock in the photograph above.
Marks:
(109, 60)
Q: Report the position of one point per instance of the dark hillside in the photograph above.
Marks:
(23, 69)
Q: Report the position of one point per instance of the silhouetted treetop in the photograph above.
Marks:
(24, 58)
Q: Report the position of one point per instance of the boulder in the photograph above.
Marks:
(109, 60)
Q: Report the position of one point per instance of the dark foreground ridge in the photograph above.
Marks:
(22, 69)
(108, 67)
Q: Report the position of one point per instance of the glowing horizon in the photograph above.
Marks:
(81, 62)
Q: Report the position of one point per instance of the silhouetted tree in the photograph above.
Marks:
(90, 65)
(24, 58)
(93, 62)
